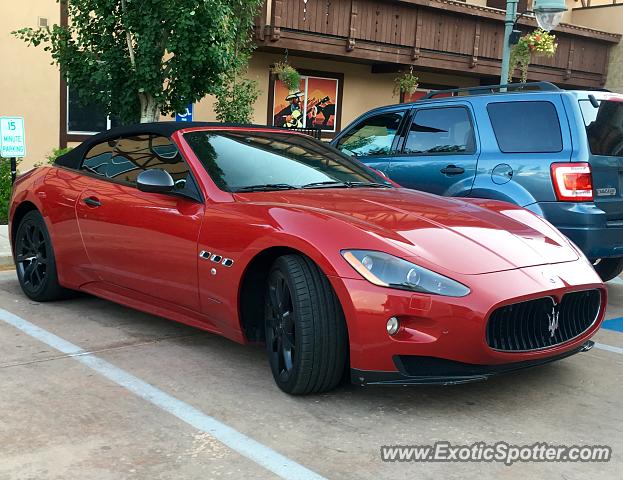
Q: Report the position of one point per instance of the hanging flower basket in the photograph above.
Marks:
(530, 46)
(286, 73)
(406, 83)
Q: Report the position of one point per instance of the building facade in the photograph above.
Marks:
(605, 15)
(349, 52)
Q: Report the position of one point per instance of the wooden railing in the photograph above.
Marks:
(587, 3)
(431, 33)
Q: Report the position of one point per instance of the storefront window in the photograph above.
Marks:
(85, 119)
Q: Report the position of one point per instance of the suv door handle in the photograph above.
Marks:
(452, 170)
(92, 202)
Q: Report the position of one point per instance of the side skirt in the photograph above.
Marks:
(155, 306)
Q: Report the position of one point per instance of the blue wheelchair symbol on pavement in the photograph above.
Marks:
(186, 116)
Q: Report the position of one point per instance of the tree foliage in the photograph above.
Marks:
(237, 95)
(5, 189)
(140, 58)
(234, 101)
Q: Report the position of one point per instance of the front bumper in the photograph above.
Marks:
(414, 370)
(454, 329)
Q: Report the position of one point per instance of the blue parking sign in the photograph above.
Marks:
(186, 116)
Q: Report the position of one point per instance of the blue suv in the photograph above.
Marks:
(555, 152)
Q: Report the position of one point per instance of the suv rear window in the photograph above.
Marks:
(526, 127)
(604, 127)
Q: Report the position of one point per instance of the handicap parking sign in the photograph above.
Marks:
(186, 116)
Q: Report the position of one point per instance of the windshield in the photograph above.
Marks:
(247, 161)
(604, 126)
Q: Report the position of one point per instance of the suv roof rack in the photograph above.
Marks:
(489, 89)
(593, 89)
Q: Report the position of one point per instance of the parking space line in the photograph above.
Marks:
(609, 348)
(615, 324)
(237, 441)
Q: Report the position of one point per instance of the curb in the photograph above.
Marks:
(6, 261)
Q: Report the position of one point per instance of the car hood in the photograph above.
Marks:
(465, 236)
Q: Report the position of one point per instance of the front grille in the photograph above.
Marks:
(542, 323)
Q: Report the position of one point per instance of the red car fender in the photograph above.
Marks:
(301, 246)
(25, 190)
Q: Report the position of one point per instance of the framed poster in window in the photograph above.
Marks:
(316, 104)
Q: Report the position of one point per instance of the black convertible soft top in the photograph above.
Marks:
(74, 158)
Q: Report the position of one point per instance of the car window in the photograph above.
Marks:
(98, 159)
(604, 126)
(239, 160)
(372, 136)
(526, 127)
(446, 130)
(124, 159)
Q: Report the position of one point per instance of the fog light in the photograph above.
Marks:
(392, 326)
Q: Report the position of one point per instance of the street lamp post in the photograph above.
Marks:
(509, 23)
(548, 15)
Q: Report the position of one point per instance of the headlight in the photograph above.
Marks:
(386, 270)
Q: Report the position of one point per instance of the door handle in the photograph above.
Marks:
(452, 170)
(92, 202)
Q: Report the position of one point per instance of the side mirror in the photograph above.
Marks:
(155, 181)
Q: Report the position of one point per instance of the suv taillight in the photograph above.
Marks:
(572, 181)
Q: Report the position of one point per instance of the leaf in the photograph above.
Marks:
(184, 50)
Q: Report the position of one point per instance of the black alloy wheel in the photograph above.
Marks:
(31, 256)
(280, 329)
(306, 337)
(34, 260)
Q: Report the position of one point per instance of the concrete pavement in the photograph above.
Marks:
(6, 258)
(60, 419)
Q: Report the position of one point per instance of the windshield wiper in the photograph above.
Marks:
(327, 184)
(266, 187)
(337, 184)
(369, 185)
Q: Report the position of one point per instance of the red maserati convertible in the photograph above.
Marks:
(264, 235)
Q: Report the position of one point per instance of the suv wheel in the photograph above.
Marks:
(608, 268)
(306, 338)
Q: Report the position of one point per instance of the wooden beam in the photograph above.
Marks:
(604, 75)
(275, 20)
(417, 41)
(567, 74)
(352, 30)
(260, 22)
(386, 68)
(474, 61)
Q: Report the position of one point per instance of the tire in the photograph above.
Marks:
(608, 268)
(306, 339)
(35, 262)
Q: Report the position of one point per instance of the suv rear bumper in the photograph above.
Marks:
(586, 225)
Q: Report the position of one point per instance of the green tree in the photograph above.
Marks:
(141, 58)
(236, 96)
(234, 101)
